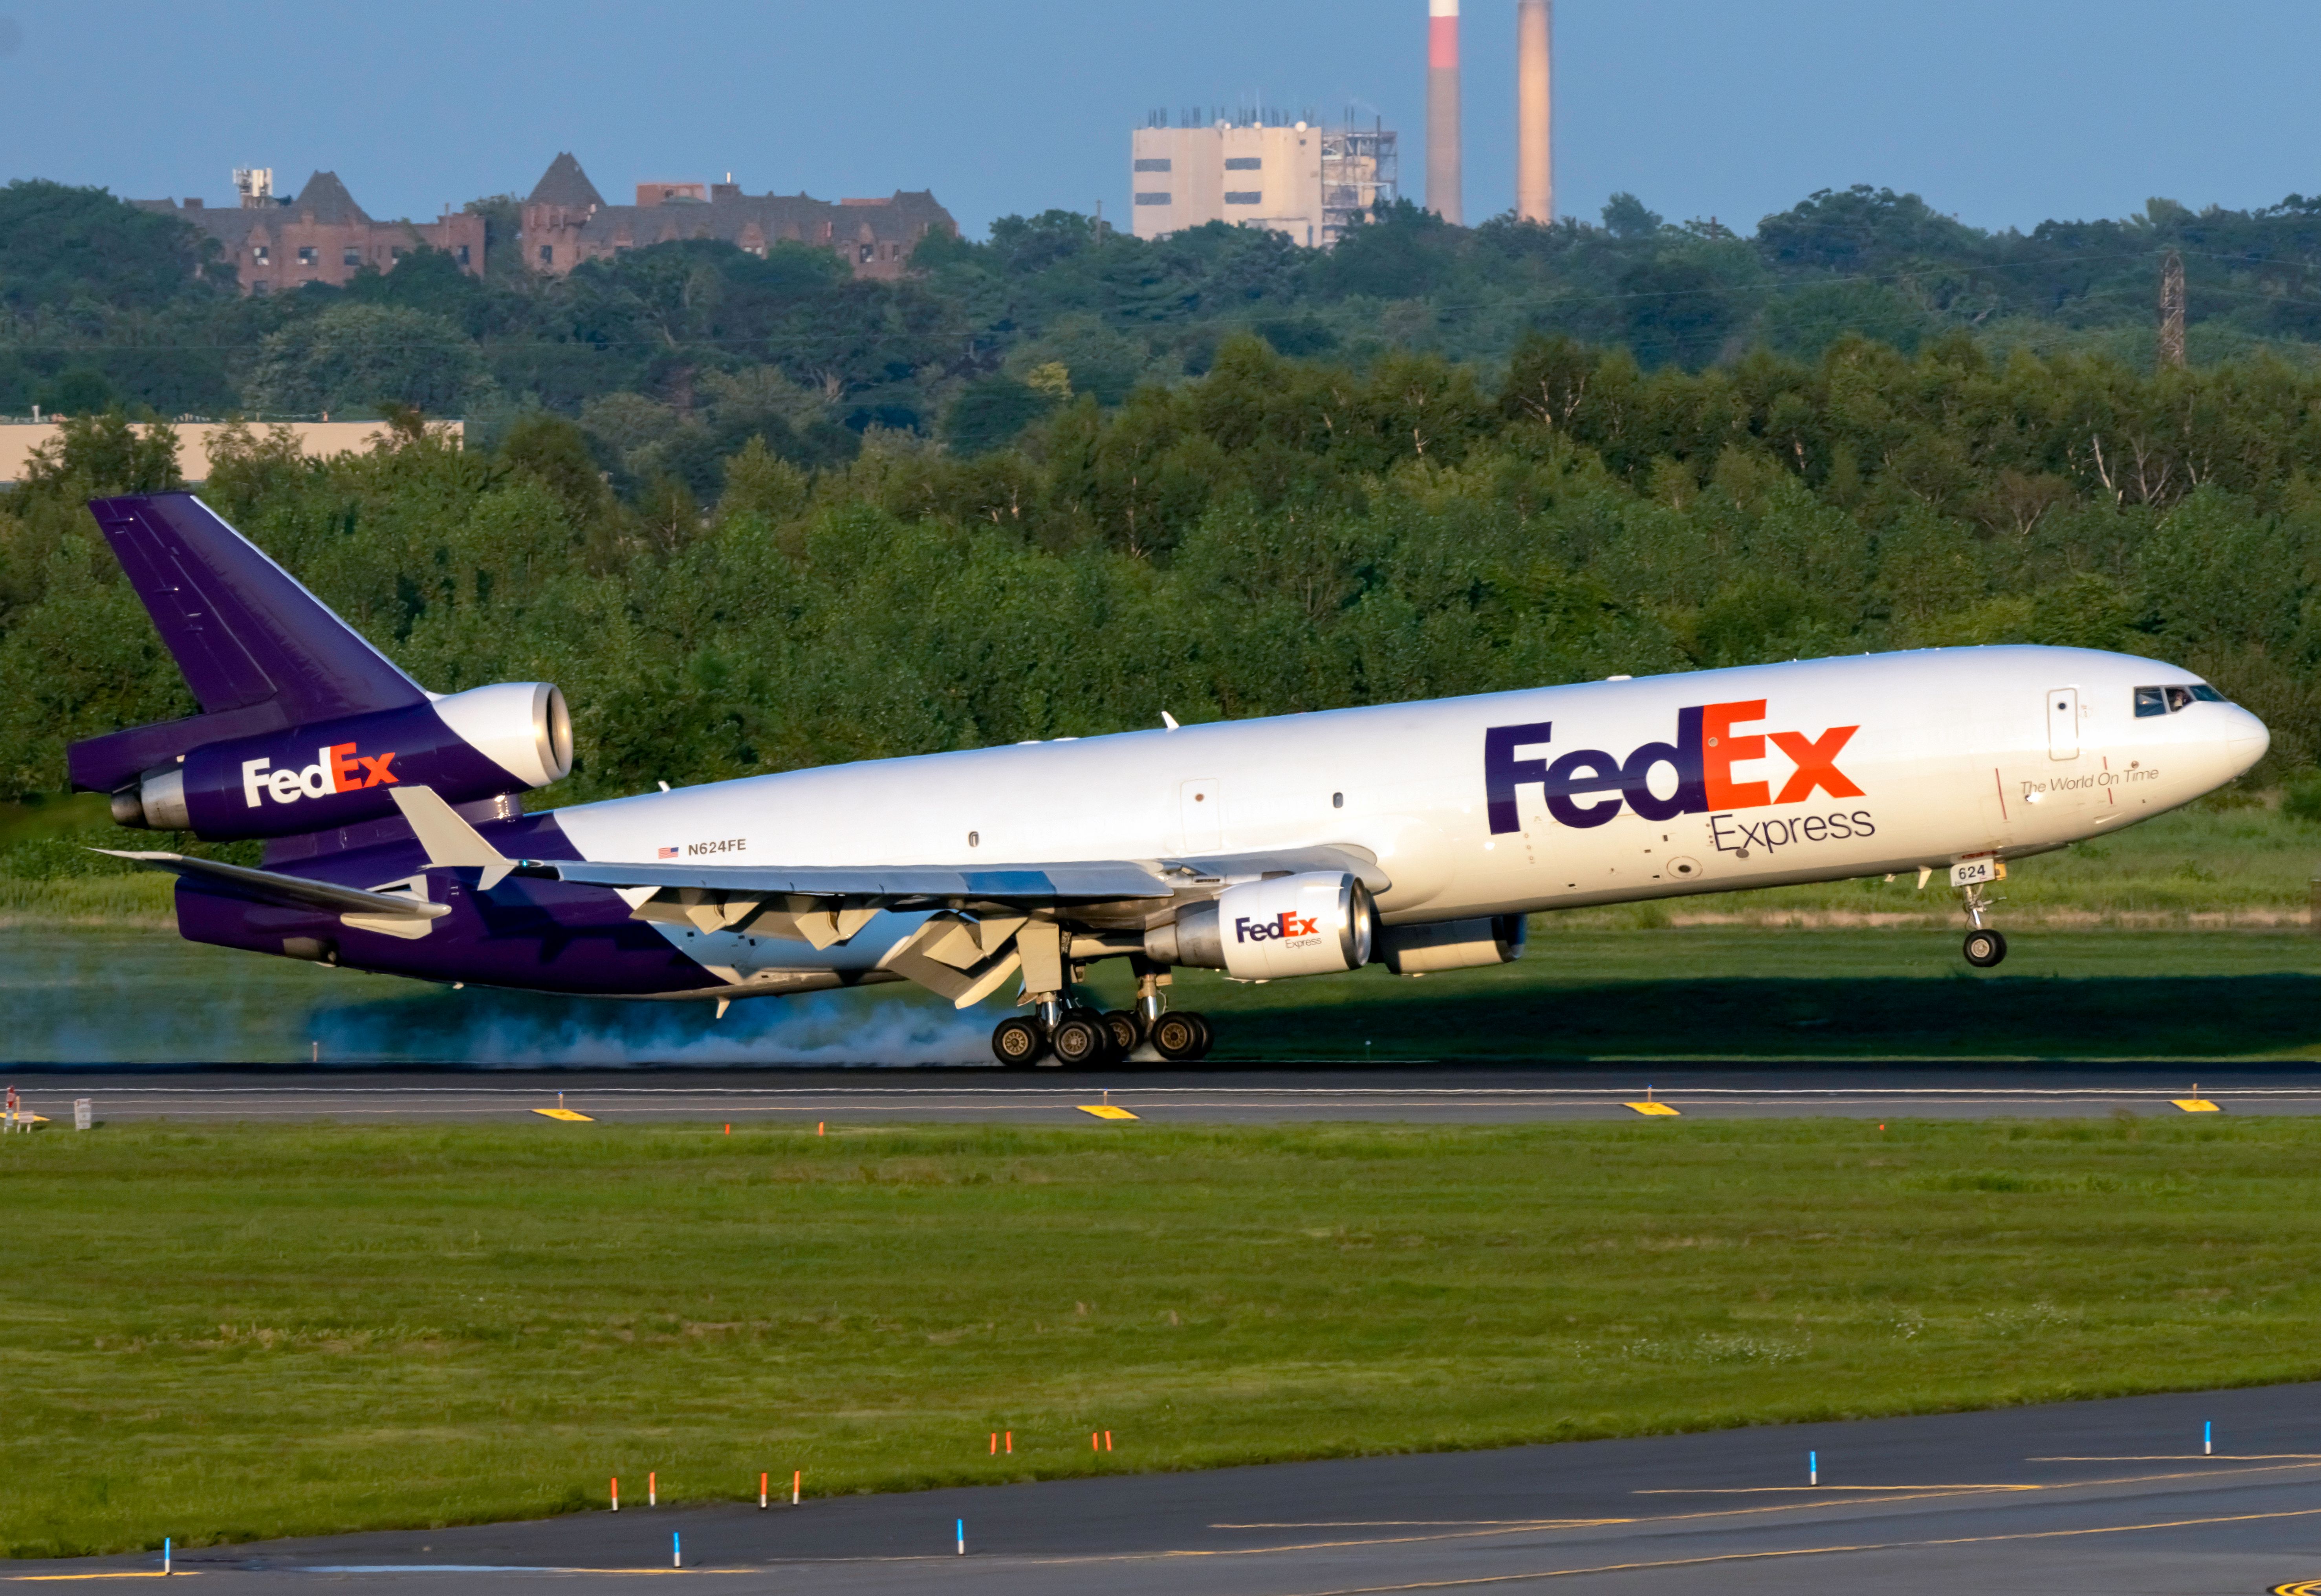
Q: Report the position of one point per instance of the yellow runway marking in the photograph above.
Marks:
(132, 1574)
(1655, 1109)
(2196, 1105)
(573, 1115)
(1106, 1111)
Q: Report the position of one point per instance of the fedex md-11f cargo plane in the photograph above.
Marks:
(1415, 836)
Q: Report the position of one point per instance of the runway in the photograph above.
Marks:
(2110, 1497)
(856, 1097)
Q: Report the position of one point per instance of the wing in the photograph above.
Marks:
(984, 926)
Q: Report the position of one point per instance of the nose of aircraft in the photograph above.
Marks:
(2245, 738)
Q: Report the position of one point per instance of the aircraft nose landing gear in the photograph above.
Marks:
(1985, 945)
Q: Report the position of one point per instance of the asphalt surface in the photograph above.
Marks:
(1447, 1096)
(2114, 1496)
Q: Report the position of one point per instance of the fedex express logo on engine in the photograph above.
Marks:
(336, 769)
(1282, 928)
(1706, 750)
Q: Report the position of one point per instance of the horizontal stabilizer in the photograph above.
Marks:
(293, 891)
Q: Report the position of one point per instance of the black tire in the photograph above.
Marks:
(1127, 1028)
(1985, 948)
(1179, 1038)
(1079, 1042)
(1018, 1041)
(1208, 1033)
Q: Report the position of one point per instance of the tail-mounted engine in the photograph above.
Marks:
(1316, 924)
(477, 744)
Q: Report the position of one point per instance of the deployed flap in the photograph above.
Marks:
(930, 957)
(297, 891)
(1101, 881)
(451, 844)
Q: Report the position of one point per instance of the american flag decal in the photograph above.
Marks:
(669, 853)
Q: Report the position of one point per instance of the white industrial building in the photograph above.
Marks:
(1300, 180)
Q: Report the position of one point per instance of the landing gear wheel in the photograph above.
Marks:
(1181, 1039)
(1208, 1033)
(1017, 1042)
(1080, 1041)
(1127, 1028)
(1985, 948)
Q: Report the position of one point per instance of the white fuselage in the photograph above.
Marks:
(1955, 753)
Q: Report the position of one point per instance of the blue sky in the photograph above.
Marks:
(2004, 113)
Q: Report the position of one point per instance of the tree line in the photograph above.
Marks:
(1277, 534)
(669, 357)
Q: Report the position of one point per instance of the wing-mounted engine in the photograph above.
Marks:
(480, 743)
(1317, 922)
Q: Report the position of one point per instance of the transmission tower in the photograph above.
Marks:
(2171, 310)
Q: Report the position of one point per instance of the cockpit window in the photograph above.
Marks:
(2168, 700)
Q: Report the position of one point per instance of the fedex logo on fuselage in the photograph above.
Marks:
(1587, 785)
(1280, 928)
(336, 769)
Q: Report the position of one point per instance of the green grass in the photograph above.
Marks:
(222, 1333)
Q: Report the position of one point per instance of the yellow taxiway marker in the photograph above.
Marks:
(1654, 1109)
(571, 1114)
(2196, 1105)
(1106, 1111)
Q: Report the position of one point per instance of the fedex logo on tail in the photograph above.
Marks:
(1282, 928)
(336, 769)
(1588, 786)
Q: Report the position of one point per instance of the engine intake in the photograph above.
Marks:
(481, 744)
(1316, 924)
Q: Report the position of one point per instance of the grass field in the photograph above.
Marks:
(221, 1334)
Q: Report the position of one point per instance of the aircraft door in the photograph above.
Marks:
(1202, 812)
(2062, 723)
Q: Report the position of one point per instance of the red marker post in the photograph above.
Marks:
(616, 1493)
(761, 1492)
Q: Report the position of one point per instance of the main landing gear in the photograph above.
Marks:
(1072, 1037)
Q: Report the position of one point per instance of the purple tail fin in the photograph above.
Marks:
(260, 651)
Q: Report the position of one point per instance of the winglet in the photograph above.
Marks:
(451, 844)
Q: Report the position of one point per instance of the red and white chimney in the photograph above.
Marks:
(1443, 162)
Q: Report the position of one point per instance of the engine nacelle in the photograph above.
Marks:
(1316, 924)
(480, 743)
(1451, 944)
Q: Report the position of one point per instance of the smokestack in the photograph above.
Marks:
(1442, 175)
(1534, 97)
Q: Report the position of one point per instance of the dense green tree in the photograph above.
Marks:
(59, 245)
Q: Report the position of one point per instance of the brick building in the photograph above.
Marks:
(322, 236)
(566, 222)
